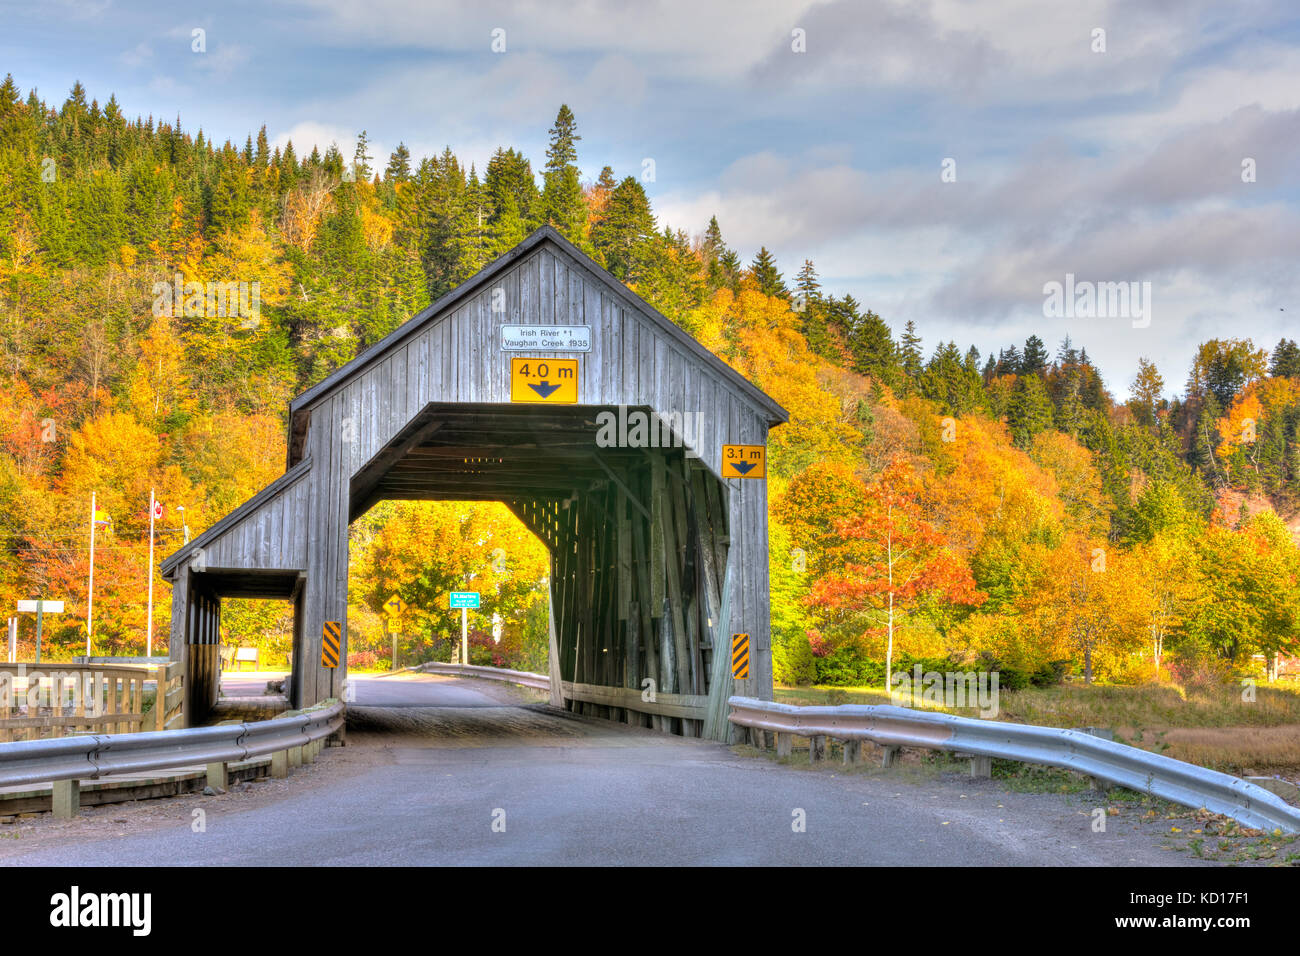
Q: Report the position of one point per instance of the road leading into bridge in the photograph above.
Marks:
(443, 771)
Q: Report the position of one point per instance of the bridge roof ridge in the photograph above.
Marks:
(300, 406)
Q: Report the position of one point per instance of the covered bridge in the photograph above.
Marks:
(531, 384)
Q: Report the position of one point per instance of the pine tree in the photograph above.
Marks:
(288, 173)
(1009, 362)
(1030, 411)
(806, 282)
(910, 351)
(562, 197)
(721, 265)
(1286, 360)
(623, 234)
(399, 165)
(1033, 361)
(764, 272)
(361, 158)
(951, 382)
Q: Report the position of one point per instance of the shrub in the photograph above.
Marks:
(362, 660)
(793, 663)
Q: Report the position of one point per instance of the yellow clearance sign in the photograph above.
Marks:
(549, 381)
(744, 461)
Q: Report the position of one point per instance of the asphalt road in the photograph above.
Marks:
(440, 771)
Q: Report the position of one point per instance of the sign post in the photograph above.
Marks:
(40, 608)
(13, 638)
(393, 610)
(155, 512)
(90, 591)
(331, 639)
(464, 600)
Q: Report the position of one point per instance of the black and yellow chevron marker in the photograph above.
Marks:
(740, 656)
(331, 638)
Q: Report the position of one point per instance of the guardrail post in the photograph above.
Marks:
(309, 752)
(981, 767)
(280, 765)
(852, 752)
(66, 802)
(218, 778)
(816, 748)
(756, 738)
(295, 756)
(888, 756)
(784, 743)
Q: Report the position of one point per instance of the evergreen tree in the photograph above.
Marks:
(910, 351)
(807, 284)
(764, 272)
(623, 235)
(399, 165)
(1030, 411)
(562, 197)
(1286, 360)
(1033, 361)
(870, 343)
(951, 382)
(1009, 362)
(361, 158)
(721, 265)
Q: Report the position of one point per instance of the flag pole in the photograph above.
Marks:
(90, 587)
(148, 638)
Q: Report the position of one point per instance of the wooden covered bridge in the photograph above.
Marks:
(532, 384)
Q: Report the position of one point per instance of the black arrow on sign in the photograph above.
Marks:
(743, 467)
(544, 388)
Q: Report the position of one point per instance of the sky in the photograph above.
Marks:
(944, 161)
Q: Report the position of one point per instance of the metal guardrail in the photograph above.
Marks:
(94, 756)
(523, 678)
(1111, 762)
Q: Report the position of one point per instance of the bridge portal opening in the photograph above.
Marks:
(636, 530)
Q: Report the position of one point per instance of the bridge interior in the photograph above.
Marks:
(637, 537)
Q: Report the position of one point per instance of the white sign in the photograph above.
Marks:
(49, 607)
(546, 338)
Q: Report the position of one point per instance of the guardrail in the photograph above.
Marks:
(524, 678)
(1103, 760)
(291, 740)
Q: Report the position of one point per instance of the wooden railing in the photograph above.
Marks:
(58, 700)
(169, 698)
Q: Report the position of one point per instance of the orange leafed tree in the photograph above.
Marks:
(893, 559)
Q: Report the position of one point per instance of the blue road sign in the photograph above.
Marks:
(461, 599)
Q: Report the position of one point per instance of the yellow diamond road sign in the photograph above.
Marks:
(744, 461)
(547, 380)
(394, 606)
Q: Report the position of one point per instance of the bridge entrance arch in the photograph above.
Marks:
(543, 383)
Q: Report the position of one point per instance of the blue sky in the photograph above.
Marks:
(1115, 165)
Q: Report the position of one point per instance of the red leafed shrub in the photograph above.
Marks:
(820, 646)
(362, 660)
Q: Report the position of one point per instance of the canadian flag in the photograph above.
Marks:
(157, 511)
